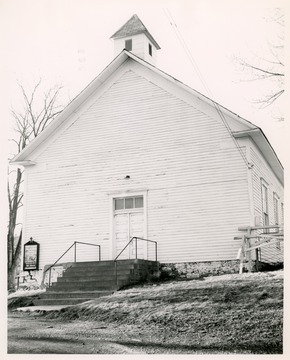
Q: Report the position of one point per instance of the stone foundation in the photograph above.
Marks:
(198, 269)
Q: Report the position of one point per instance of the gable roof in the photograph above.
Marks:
(134, 26)
(252, 131)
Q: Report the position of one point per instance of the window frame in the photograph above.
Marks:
(265, 202)
(276, 208)
(128, 209)
(282, 213)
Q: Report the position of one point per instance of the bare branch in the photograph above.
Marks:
(36, 113)
(19, 200)
(264, 72)
(272, 98)
(271, 67)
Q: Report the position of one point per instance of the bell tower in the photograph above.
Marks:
(134, 36)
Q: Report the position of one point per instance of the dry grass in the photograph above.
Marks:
(228, 314)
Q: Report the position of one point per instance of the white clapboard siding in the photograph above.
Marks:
(262, 170)
(197, 189)
(273, 253)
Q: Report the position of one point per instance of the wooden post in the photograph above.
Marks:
(257, 260)
(242, 254)
(248, 252)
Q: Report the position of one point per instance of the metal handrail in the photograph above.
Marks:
(136, 238)
(75, 256)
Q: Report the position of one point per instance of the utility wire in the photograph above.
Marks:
(199, 74)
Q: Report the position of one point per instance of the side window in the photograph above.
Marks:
(128, 45)
(282, 213)
(265, 204)
(276, 216)
(275, 205)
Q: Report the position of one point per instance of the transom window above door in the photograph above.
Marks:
(126, 203)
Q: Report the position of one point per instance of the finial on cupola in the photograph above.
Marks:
(134, 36)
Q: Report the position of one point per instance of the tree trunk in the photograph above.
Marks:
(15, 264)
(14, 205)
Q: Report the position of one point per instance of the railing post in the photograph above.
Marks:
(75, 256)
(136, 248)
(49, 277)
(99, 253)
(156, 251)
(116, 274)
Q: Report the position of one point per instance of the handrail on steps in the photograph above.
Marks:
(136, 251)
(75, 257)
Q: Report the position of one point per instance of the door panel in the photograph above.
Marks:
(121, 234)
(126, 226)
(137, 229)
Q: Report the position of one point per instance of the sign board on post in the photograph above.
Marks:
(31, 255)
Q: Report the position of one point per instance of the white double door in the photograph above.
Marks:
(127, 225)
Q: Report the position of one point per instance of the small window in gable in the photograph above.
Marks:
(150, 49)
(128, 45)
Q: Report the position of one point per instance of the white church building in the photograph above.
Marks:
(139, 154)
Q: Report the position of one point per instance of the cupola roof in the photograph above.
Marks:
(134, 26)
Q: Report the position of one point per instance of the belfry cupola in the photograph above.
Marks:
(134, 36)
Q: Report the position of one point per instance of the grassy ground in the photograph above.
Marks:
(223, 314)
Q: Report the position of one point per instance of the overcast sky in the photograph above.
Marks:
(68, 42)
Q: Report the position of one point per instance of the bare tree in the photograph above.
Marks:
(37, 111)
(270, 67)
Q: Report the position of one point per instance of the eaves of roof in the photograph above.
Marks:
(259, 138)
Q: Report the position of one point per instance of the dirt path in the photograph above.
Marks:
(29, 334)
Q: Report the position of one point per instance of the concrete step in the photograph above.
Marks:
(104, 263)
(93, 276)
(98, 271)
(64, 301)
(74, 294)
(86, 280)
(101, 269)
(89, 280)
(96, 278)
(81, 286)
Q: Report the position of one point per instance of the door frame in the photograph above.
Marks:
(121, 194)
